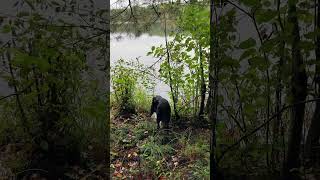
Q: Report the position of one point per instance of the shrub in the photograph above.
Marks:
(130, 83)
(124, 81)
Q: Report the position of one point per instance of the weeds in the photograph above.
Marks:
(139, 149)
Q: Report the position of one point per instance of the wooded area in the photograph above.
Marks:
(54, 59)
(243, 82)
(244, 73)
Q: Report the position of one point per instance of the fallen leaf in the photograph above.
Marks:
(117, 174)
(175, 163)
(131, 164)
(175, 159)
(125, 141)
(119, 164)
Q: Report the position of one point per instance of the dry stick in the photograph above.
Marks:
(262, 125)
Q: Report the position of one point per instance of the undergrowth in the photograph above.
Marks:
(140, 150)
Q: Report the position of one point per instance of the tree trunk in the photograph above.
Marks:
(203, 88)
(314, 130)
(299, 93)
(213, 85)
(174, 97)
(276, 123)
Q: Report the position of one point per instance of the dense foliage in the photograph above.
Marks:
(261, 73)
(54, 109)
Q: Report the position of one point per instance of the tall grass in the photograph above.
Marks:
(142, 100)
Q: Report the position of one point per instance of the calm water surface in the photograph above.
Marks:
(129, 48)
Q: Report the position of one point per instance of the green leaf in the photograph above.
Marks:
(258, 62)
(230, 62)
(6, 28)
(25, 60)
(42, 64)
(267, 3)
(22, 14)
(265, 15)
(306, 45)
(247, 43)
(260, 101)
(247, 53)
(250, 109)
(250, 3)
(44, 145)
(269, 45)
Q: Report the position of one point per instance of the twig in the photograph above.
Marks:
(262, 125)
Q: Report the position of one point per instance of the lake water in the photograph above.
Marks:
(130, 47)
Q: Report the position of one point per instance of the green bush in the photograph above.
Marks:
(130, 83)
(124, 81)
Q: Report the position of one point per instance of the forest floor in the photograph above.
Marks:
(140, 151)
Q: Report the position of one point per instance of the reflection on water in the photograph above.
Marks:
(129, 48)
